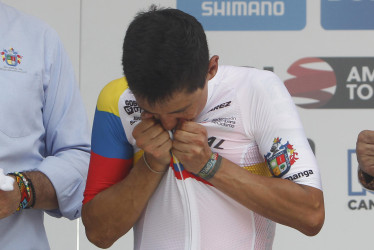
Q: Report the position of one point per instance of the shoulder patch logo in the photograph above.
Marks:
(281, 157)
(11, 57)
(131, 107)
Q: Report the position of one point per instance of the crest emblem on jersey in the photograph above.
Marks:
(11, 57)
(281, 157)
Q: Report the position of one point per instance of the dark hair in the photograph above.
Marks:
(164, 51)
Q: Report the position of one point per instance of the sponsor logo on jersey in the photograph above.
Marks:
(247, 15)
(305, 173)
(135, 120)
(347, 14)
(281, 157)
(359, 197)
(215, 142)
(225, 122)
(221, 106)
(131, 107)
(332, 82)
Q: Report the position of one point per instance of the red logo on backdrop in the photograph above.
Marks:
(311, 83)
(332, 82)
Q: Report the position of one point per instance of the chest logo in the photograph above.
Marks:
(281, 157)
(11, 57)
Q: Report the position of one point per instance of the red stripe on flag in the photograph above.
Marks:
(187, 175)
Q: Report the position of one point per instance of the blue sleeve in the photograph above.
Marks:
(67, 139)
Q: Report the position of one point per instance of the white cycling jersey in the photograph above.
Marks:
(251, 120)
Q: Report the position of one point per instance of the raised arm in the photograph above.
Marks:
(118, 187)
(365, 157)
(282, 201)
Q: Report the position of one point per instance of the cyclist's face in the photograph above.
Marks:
(181, 106)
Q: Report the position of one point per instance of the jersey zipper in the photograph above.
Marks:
(188, 218)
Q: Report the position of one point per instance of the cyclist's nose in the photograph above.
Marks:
(167, 121)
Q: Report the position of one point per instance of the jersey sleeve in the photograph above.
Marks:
(111, 153)
(275, 125)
